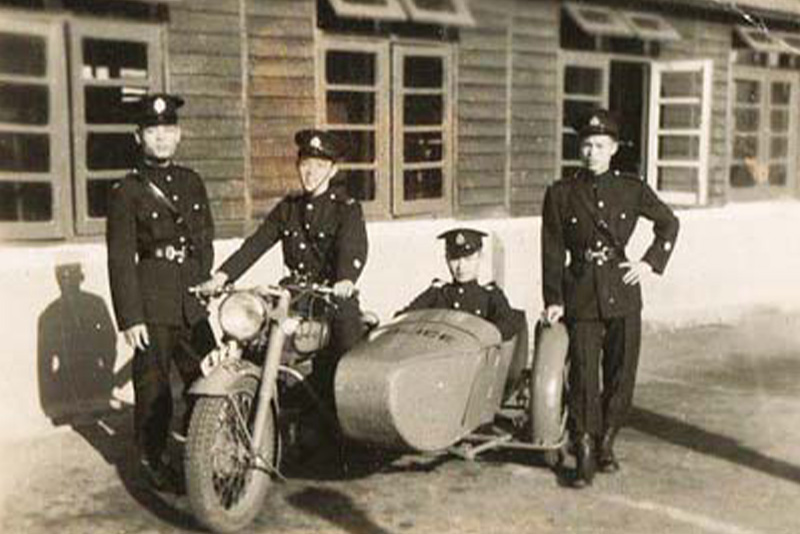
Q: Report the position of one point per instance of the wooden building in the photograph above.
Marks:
(454, 108)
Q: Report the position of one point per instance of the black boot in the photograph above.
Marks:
(606, 460)
(585, 459)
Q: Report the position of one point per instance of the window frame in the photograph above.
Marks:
(149, 34)
(706, 67)
(461, 17)
(60, 174)
(766, 77)
(666, 32)
(618, 28)
(438, 206)
(392, 10)
(776, 45)
(381, 206)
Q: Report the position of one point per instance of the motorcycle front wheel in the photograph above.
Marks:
(225, 484)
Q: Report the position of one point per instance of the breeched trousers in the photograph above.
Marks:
(603, 356)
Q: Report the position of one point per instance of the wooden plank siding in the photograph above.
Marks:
(204, 43)
(281, 93)
(706, 39)
(534, 115)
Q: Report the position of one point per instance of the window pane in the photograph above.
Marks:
(677, 179)
(570, 147)
(112, 105)
(352, 68)
(436, 5)
(647, 23)
(745, 146)
(350, 107)
(97, 192)
(106, 151)
(680, 116)
(781, 93)
(21, 152)
(422, 109)
(421, 147)
(778, 147)
(360, 146)
(595, 15)
(583, 81)
(576, 112)
(777, 174)
(422, 71)
(26, 201)
(23, 54)
(748, 91)
(104, 59)
(741, 176)
(747, 120)
(679, 147)
(422, 183)
(779, 120)
(24, 103)
(681, 84)
(360, 183)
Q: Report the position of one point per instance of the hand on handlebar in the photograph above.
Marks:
(211, 287)
(553, 313)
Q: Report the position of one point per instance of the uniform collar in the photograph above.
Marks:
(471, 283)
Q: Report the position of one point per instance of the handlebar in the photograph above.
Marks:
(270, 290)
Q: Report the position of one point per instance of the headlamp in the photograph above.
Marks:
(242, 315)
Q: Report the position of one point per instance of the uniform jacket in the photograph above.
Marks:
(324, 238)
(152, 290)
(488, 302)
(594, 289)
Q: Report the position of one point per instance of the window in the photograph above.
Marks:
(392, 102)
(65, 119)
(764, 133)
(113, 67)
(34, 162)
(760, 40)
(371, 9)
(597, 20)
(680, 115)
(449, 12)
(650, 26)
(585, 83)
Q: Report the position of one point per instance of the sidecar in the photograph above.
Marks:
(435, 380)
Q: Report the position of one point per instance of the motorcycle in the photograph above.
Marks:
(429, 380)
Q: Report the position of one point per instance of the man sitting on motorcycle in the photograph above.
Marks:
(463, 248)
(324, 242)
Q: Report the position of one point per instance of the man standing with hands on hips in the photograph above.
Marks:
(159, 237)
(589, 282)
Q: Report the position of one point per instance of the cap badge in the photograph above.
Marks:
(460, 240)
(594, 121)
(316, 143)
(159, 105)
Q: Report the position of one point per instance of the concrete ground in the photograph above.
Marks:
(713, 447)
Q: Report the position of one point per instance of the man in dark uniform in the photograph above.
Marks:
(589, 219)
(159, 236)
(324, 241)
(463, 254)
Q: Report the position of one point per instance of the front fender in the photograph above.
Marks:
(224, 377)
(547, 384)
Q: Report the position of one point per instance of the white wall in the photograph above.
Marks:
(727, 261)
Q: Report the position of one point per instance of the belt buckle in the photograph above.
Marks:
(171, 253)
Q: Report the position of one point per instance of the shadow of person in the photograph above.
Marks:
(336, 508)
(77, 351)
(700, 440)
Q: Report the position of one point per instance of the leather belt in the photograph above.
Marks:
(599, 256)
(167, 253)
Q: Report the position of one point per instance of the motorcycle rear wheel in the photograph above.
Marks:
(225, 488)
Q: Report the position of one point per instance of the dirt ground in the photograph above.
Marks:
(713, 446)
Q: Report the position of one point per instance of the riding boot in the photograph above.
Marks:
(585, 459)
(606, 460)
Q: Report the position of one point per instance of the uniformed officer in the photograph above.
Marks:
(589, 219)
(159, 236)
(324, 241)
(463, 255)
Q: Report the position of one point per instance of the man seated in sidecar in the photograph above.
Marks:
(463, 253)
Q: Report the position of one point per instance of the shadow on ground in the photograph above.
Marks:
(336, 508)
(694, 438)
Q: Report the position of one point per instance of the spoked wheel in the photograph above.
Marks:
(225, 482)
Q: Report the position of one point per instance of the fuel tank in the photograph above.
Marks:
(421, 382)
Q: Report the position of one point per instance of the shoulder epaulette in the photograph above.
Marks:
(491, 286)
(437, 283)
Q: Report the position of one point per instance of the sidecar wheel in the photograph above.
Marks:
(224, 487)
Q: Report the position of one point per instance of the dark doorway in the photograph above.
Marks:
(627, 99)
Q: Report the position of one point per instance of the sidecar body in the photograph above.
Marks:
(426, 380)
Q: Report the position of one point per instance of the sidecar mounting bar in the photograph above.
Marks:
(487, 442)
